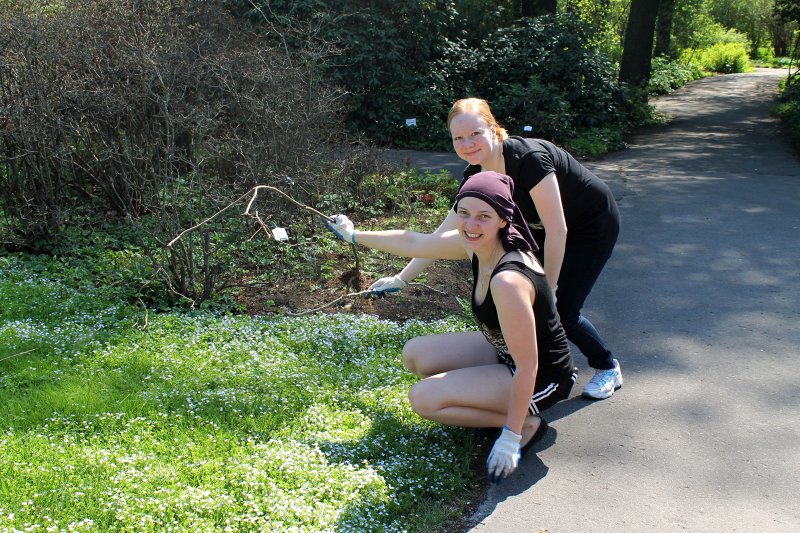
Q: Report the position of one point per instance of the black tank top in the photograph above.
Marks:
(555, 359)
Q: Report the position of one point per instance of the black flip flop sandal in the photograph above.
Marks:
(541, 431)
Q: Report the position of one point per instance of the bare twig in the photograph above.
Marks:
(429, 287)
(15, 355)
(254, 192)
(339, 299)
(146, 313)
(206, 221)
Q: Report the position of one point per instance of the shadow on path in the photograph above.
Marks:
(700, 303)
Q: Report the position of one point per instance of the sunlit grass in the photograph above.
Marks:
(210, 423)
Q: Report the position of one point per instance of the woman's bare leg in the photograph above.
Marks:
(469, 397)
(464, 385)
(433, 354)
(476, 396)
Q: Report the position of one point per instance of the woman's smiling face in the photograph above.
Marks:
(478, 223)
(473, 138)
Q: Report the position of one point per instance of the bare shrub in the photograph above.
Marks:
(159, 108)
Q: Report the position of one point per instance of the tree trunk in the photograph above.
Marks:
(637, 51)
(781, 33)
(536, 8)
(666, 11)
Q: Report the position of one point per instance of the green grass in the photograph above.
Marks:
(117, 420)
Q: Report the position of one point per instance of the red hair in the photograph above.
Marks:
(481, 108)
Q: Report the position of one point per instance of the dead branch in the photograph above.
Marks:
(325, 306)
(352, 295)
(206, 221)
(254, 192)
(15, 355)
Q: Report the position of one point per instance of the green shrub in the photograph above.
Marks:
(544, 73)
(724, 58)
(764, 53)
(788, 108)
(594, 142)
(781, 62)
(407, 59)
(667, 75)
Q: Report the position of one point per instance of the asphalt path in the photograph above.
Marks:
(701, 304)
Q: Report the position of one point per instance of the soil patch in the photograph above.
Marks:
(434, 299)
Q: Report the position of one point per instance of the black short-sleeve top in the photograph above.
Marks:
(587, 200)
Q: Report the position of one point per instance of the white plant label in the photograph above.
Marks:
(280, 234)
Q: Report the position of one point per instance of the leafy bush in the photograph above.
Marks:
(781, 62)
(727, 58)
(594, 142)
(543, 73)
(723, 51)
(788, 108)
(764, 53)
(668, 75)
(411, 60)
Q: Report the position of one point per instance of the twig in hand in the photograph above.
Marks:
(351, 295)
(254, 192)
(339, 299)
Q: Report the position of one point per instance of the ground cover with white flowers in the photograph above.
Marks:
(116, 419)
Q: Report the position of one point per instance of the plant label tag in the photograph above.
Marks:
(411, 122)
(280, 234)
(527, 128)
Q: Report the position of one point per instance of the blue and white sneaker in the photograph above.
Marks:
(604, 383)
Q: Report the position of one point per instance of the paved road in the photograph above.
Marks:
(701, 304)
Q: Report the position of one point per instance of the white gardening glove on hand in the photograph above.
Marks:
(384, 285)
(504, 457)
(342, 227)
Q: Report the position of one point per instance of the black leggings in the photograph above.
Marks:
(584, 259)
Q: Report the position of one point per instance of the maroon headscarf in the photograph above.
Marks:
(497, 190)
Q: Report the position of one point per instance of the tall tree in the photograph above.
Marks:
(788, 10)
(666, 12)
(637, 52)
(536, 8)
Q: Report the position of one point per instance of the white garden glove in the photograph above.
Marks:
(384, 285)
(342, 227)
(504, 457)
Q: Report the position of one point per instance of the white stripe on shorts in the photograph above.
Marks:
(541, 395)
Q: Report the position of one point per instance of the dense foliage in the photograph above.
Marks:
(410, 60)
(387, 62)
(788, 109)
(725, 58)
(788, 9)
(543, 73)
